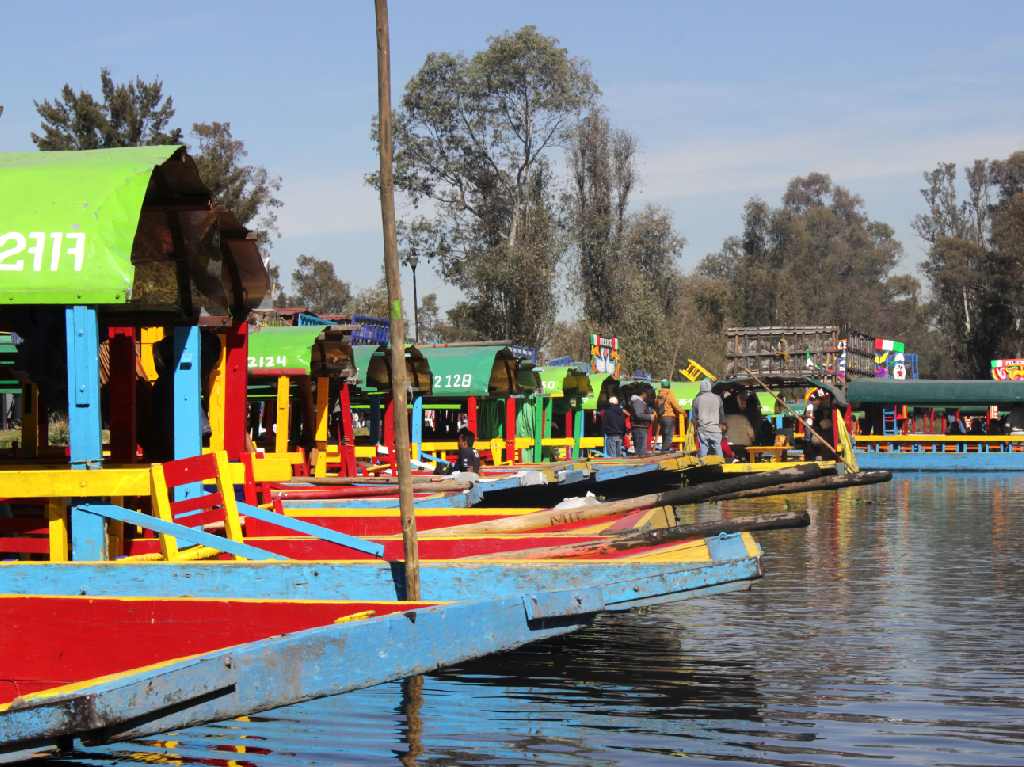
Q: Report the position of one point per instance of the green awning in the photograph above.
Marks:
(951, 394)
(565, 381)
(471, 371)
(597, 382)
(300, 350)
(373, 369)
(109, 226)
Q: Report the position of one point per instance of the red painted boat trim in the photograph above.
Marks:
(51, 641)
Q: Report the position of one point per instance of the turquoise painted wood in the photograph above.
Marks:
(625, 585)
(190, 536)
(88, 532)
(188, 437)
(302, 665)
(870, 460)
(417, 426)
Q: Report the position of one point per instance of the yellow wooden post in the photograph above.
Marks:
(57, 522)
(283, 421)
(232, 522)
(218, 383)
(323, 388)
(162, 508)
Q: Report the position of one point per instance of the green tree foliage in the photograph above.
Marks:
(316, 287)
(248, 191)
(603, 167)
(975, 263)
(135, 113)
(473, 136)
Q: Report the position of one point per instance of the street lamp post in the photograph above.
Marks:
(413, 260)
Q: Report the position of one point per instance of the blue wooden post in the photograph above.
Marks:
(417, 426)
(188, 438)
(88, 532)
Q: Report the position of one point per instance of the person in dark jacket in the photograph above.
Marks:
(643, 417)
(469, 458)
(613, 428)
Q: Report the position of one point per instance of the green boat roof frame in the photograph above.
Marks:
(129, 226)
(474, 370)
(373, 370)
(935, 393)
(565, 381)
(301, 350)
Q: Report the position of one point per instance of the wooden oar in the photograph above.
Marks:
(684, 495)
(620, 543)
(821, 483)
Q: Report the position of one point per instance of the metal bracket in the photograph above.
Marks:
(555, 604)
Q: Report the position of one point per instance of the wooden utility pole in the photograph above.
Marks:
(393, 276)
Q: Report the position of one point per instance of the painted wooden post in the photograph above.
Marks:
(510, 429)
(538, 427)
(323, 391)
(89, 539)
(236, 342)
(577, 432)
(29, 420)
(389, 432)
(188, 420)
(417, 428)
(215, 406)
(283, 420)
(346, 445)
(471, 415)
(570, 431)
(121, 394)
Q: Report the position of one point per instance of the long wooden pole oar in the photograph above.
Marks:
(394, 281)
(684, 495)
(807, 426)
(620, 543)
(821, 483)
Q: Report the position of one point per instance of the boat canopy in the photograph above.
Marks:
(318, 350)
(373, 369)
(472, 371)
(565, 381)
(949, 394)
(130, 225)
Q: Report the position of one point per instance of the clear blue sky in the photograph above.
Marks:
(728, 100)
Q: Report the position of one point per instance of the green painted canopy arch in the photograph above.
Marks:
(304, 350)
(472, 371)
(373, 370)
(566, 381)
(130, 225)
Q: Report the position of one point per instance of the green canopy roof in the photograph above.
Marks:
(471, 371)
(565, 381)
(300, 350)
(68, 220)
(597, 381)
(866, 391)
(109, 226)
(373, 369)
(8, 384)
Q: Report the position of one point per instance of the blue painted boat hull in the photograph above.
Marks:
(958, 462)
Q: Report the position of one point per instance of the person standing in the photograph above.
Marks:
(613, 428)
(643, 417)
(669, 410)
(709, 415)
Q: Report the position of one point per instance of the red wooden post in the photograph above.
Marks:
(347, 446)
(236, 341)
(471, 415)
(121, 394)
(510, 429)
(389, 432)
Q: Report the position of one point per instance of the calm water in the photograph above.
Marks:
(890, 632)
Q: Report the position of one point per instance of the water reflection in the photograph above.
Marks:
(888, 631)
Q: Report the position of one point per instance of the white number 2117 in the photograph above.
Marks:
(19, 252)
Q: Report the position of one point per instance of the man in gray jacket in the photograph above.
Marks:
(708, 414)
